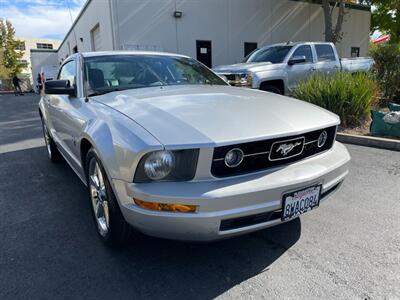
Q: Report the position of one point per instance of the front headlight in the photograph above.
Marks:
(159, 164)
(245, 79)
(179, 165)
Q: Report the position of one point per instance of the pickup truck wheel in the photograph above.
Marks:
(110, 223)
(272, 89)
(51, 148)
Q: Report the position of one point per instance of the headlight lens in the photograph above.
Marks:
(159, 164)
(245, 79)
(177, 165)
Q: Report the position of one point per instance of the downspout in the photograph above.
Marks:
(176, 30)
(114, 24)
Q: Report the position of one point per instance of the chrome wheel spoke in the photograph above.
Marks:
(94, 182)
(100, 177)
(106, 213)
(98, 195)
(97, 209)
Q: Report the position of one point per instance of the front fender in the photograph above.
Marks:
(262, 76)
(120, 143)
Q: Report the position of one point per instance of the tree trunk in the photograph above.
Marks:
(333, 33)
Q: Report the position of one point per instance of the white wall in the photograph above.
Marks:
(149, 24)
(228, 24)
(31, 43)
(96, 12)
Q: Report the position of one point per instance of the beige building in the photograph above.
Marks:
(28, 44)
(225, 30)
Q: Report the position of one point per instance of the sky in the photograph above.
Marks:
(41, 18)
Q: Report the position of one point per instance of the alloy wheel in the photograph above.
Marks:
(98, 197)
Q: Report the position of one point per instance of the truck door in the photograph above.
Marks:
(327, 60)
(300, 71)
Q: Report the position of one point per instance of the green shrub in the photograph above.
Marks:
(387, 70)
(349, 96)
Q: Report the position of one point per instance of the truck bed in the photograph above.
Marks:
(357, 64)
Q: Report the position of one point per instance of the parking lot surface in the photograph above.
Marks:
(349, 248)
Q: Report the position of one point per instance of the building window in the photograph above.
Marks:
(249, 47)
(75, 49)
(44, 46)
(20, 46)
(355, 51)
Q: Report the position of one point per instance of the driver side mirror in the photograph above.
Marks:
(297, 60)
(59, 87)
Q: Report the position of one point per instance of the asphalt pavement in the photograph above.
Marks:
(349, 248)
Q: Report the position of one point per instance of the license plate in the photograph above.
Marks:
(299, 202)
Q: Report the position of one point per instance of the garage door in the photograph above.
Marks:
(96, 39)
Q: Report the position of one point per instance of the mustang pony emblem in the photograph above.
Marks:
(284, 149)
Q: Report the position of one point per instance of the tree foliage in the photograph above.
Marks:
(385, 17)
(9, 56)
(387, 70)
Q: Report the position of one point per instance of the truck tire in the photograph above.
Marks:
(271, 89)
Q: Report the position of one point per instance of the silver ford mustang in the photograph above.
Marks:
(167, 147)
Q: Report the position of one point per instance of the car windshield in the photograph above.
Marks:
(275, 54)
(109, 73)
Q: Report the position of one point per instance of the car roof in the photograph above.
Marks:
(294, 44)
(134, 52)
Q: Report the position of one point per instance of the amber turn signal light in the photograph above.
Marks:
(166, 206)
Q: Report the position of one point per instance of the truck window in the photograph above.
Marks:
(304, 51)
(325, 53)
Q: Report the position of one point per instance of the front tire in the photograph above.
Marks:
(110, 223)
(272, 89)
(51, 148)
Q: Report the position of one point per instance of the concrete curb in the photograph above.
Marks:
(369, 141)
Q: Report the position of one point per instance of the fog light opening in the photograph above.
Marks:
(170, 207)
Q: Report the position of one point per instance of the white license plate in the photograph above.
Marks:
(299, 202)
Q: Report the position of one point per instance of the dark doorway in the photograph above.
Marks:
(355, 51)
(203, 50)
(249, 47)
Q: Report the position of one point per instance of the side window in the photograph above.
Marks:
(68, 72)
(325, 53)
(304, 51)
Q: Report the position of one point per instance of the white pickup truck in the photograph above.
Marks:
(279, 68)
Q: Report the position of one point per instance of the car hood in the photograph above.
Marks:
(187, 116)
(246, 67)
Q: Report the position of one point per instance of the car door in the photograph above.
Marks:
(300, 71)
(63, 112)
(327, 61)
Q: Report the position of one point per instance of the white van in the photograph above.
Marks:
(49, 72)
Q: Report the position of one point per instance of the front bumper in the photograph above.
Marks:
(255, 196)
